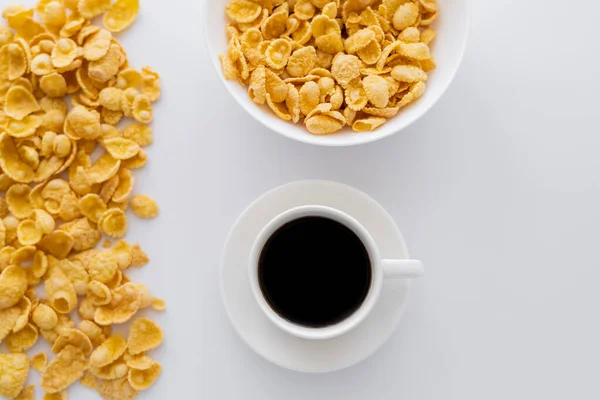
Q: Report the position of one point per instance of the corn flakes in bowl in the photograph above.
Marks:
(336, 72)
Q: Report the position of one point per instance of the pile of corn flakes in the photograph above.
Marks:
(65, 84)
(331, 62)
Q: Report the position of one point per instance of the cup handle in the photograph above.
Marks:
(402, 268)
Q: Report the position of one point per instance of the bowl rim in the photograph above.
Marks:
(317, 140)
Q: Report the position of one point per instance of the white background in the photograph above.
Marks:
(496, 189)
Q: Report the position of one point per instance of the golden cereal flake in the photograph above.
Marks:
(124, 304)
(121, 148)
(27, 393)
(19, 103)
(118, 389)
(92, 8)
(8, 319)
(121, 15)
(23, 340)
(144, 206)
(143, 379)
(144, 335)
(14, 369)
(60, 292)
(108, 352)
(45, 317)
(39, 361)
(67, 367)
(13, 284)
(72, 337)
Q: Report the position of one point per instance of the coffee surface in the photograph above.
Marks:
(314, 272)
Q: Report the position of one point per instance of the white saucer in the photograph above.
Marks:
(259, 332)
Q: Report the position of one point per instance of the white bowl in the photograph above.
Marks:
(448, 48)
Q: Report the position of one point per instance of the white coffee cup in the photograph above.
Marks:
(380, 269)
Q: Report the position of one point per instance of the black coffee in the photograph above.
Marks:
(314, 272)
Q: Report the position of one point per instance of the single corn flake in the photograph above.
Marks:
(139, 133)
(94, 332)
(142, 109)
(27, 394)
(14, 369)
(92, 207)
(243, 10)
(108, 352)
(103, 266)
(13, 284)
(159, 304)
(113, 223)
(143, 379)
(117, 389)
(124, 304)
(345, 68)
(368, 124)
(39, 361)
(23, 340)
(406, 15)
(60, 292)
(18, 202)
(98, 293)
(310, 95)
(144, 335)
(139, 361)
(29, 233)
(67, 367)
(359, 40)
(121, 148)
(278, 53)
(121, 15)
(92, 8)
(376, 89)
(323, 125)
(72, 337)
(44, 317)
(19, 103)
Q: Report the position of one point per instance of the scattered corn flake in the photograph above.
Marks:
(8, 319)
(44, 317)
(116, 370)
(121, 148)
(118, 389)
(73, 337)
(55, 396)
(67, 367)
(139, 133)
(19, 103)
(23, 340)
(159, 304)
(144, 335)
(13, 284)
(60, 292)
(98, 293)
(142, 109)
(143, 379)
(14, 369)
(27, 393)
(29, 233)
(93, 332)
(25, 307)
(144, 206)
(124, 304)
(92, 8)
(113, 223)
(108, 352)
(139, 361)
(121, 15)
(39, 361)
